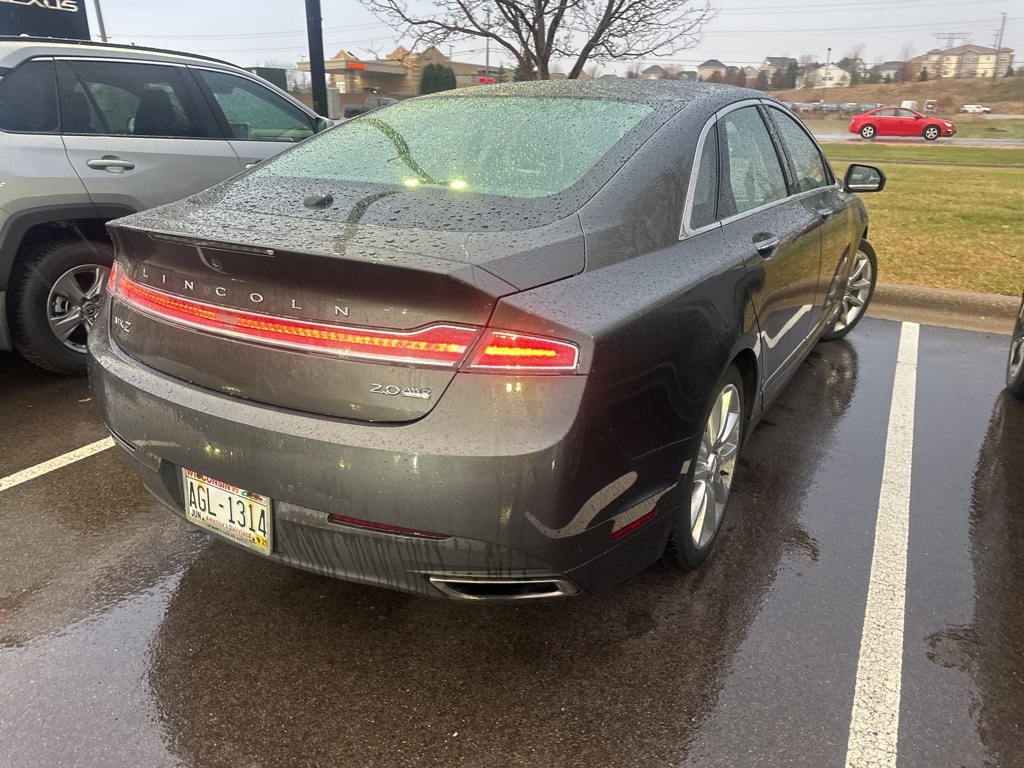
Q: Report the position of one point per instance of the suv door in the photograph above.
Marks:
(139, 134)
(774, 233)
(34, 168)
(258, 121)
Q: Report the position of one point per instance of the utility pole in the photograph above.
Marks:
(999, 44)
(103, 30)
(315, 33)
(828, 63)
(487, 48)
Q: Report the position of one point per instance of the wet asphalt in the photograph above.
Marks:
(128, 638)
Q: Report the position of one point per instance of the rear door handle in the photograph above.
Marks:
(825, 212)
(767, 247)
(109, 163)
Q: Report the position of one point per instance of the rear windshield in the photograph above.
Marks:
(510, 147)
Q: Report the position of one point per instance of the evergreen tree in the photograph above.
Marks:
(780, 80)
(762, 81)
(887, 79)
(428, 79)
(792, 72)
(923, 77)
(1010, 72)
(446, 78)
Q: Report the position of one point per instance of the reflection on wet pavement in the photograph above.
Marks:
(128, 638)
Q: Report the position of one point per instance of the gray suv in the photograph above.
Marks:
(92, 132)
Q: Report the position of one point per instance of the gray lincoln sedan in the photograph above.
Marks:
(503, 343)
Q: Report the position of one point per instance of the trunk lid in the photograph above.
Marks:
(283, 272)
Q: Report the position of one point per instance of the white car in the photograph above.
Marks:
(975, 109)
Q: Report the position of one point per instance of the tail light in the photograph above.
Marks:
(507, 351)
(444, 345)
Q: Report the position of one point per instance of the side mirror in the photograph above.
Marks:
(322, 124)
(863, 178)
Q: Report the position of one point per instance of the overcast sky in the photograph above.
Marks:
(250, 32)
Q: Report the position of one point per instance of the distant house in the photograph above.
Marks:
(891, 69)
(710, 67)
(773, 64)
(968, 61)
(688, 74)
(751, 74)
(654, 72)
(826, 76)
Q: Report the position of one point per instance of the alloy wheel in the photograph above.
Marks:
(931, 133)
(856, 291)
(716, 463)
(74, 302)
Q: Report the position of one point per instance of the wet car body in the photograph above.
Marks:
(499, 483)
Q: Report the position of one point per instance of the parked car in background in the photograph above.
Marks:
(369, 104)
(931, 106)
(481, 344)
(1015, 365)
(975, 109)
(849, 107)
(897, 121)
(90, 132)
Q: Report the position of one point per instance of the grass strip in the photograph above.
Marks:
(946, 226)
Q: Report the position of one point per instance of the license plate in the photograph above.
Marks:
(236, 514)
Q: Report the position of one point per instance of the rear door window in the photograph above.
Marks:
(751, 175)
(808, 165)
(121, 98)
(28, 99)
(254, 112)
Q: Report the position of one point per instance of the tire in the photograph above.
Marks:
(931, 133)
(59, 290)
(1015, 364)
(868, 132)
(852, 290)
(704, 488)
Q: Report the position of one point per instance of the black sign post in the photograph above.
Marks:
(315, 33)
(44, 18)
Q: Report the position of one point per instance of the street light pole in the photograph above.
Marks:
(315, 33)
(103, 30)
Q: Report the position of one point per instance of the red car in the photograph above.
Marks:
(899, 121)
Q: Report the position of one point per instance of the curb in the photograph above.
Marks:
(986, 312)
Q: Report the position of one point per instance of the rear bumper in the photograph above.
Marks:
(512, 489)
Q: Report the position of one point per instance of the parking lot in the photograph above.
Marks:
(128, 638)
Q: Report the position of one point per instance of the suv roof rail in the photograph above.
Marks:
(92, 43)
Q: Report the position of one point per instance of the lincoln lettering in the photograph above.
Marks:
(206, 290)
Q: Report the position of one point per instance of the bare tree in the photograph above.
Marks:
(593, 71)
(906, 72)
(535, 31)
(298, 81)
(633, 72)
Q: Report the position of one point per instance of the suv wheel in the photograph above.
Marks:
(57, 296)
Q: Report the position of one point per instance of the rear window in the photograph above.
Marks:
(28, 99)
(509, 146)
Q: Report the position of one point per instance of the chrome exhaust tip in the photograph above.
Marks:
(498, 590)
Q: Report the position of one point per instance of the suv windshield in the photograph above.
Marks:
(510, 147)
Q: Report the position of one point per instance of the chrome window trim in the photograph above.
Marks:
(118, 60)
(684, 229)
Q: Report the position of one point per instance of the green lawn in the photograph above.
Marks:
(925, 153)
(945, 226)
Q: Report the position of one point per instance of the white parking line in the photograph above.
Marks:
(874, 726)
(56, 463)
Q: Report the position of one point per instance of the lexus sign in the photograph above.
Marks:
(44, 18)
